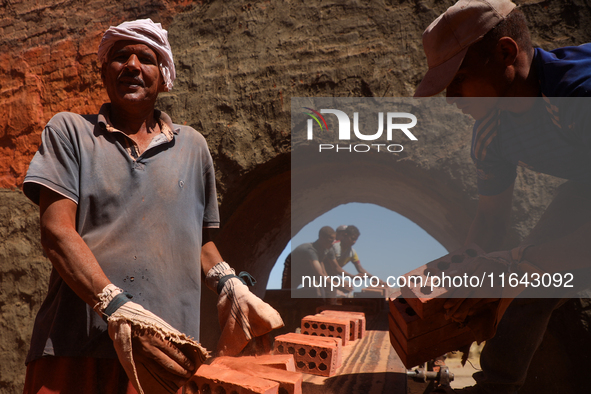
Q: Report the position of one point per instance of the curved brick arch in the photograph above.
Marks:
(262, 221)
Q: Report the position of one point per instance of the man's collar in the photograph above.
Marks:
(163, 119)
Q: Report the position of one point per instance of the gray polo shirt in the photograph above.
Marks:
(141, 216)
(301, 262)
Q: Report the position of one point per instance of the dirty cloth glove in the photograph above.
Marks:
(482, 308)
(242, 315)
(127, 320)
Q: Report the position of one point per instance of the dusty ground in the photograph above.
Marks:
(463, 374)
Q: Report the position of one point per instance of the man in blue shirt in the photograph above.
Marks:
(525, 115)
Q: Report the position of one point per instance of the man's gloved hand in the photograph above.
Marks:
(486, 304)
(242, 315)
(156, 357)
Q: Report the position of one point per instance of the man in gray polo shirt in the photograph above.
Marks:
(307, 260)
(126, 198)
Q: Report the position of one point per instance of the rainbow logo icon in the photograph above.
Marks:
(316, 115)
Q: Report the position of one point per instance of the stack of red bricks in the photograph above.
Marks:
(419, 330)
(318, 349)
(268, 374)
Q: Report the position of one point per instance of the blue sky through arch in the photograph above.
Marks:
(390, 244)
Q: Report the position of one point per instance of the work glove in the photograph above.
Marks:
(482, 307)
(242, 315)
(156, 357)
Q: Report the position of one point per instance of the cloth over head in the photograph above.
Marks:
(146, 32)
(448, 38)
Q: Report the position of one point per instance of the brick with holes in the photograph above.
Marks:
(330, 341)
(327, 326)
(418, 293)
(357, 321)
(323, 340)
(409, 322)
(314, 355)
(214, 379)
(289, 382)
(354, 323)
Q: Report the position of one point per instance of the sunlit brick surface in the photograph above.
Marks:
(211, 379)
(289, 382)
(327, 326)
(357, 319)
(314, 355)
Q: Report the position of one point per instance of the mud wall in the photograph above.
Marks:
(239, 63)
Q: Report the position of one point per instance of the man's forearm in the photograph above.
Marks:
(361, 270)
(210, 255)
(66, 250)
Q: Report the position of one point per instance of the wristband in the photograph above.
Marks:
(111, 298)
(243, 276)
(118, 301)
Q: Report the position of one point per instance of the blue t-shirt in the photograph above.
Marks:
(553, 137)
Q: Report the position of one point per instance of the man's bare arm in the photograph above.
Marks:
(333, 268)
(491, 222)
(66, 250)
(210, 254)
(360, 268)
(318, 267)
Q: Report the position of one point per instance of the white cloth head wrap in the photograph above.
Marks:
(146, 32)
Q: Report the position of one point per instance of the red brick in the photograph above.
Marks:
(327, 326)
(413, 359)
(373, 292)
(432, 338)
(409, 361)
(325, 341)
(357, 316)
(417, 350)
(341, 307)
(391, 292)
(289, 382)
(211, 378)
(280, 361)
(411, 325)
(313, 355)
(424, 301)
(328, 341)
